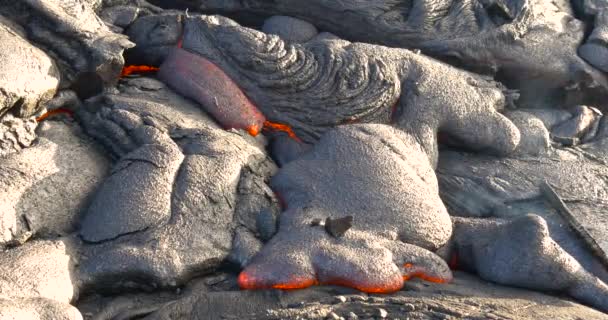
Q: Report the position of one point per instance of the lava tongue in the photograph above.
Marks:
(338, 227)
(199, 79)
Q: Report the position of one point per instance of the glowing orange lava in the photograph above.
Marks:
(55, 112)
(281, 127)
(388, 287)
(417, 273)
(253, 130)
(249, 282)
(128, 70)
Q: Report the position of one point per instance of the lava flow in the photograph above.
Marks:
(55, 112)
(128, 70)
(412, 271)
(281, 127)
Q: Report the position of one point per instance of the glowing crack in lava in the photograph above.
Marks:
(55, 112)
(281, 127)
(129, 70)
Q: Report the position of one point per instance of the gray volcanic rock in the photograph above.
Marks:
(520, 252)
(510, 38)
(71, 32)
(474, 185)
(323, 84)
(37, 309)
(155, 36)
(16, 133)
(46, 186)
(28, 78)
(595, 50)
(120, 16)
(535, 139)
(290, 29)
(195, 183)
(383, 178)
(36, 281)
(582, 127)
(403, 197)
(466, 297)
(38, 269)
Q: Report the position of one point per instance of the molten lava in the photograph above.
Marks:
(412, 271)
(249, 282)
(55, 112)
(128, 70)
(253, 130)
(388, 287)
(281, 127)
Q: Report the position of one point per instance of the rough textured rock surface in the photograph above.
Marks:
(535, 139)
(71, 32)
(465, 298)
(37, 309)
(363, 171)
(41, 193)
(512, 39)
(195, 184)
(37, 281)
(323, 84)
(16, 133)
(28, 78)
(581, 128)
(475, 185)
(290, 29)
(521, 253)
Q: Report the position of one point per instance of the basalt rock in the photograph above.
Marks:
(511, 39)
(290, 29)
(74, 36)
(535, 139)
(322, 84)
(595, 49)
(582, 127)
(194, 184)
(43, 188)
(29, 77)
(37, 309)
(465, 297)
(482, 186)
(37, 281)
(16, 133)
(372, 254)
(398, 222)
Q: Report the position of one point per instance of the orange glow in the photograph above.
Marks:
(249, 282)
(128, 70)
(422, 275)
(296, 283)
(55, 112)
(386, 288)
(281, 127)
(253, 130)
(425, 278)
